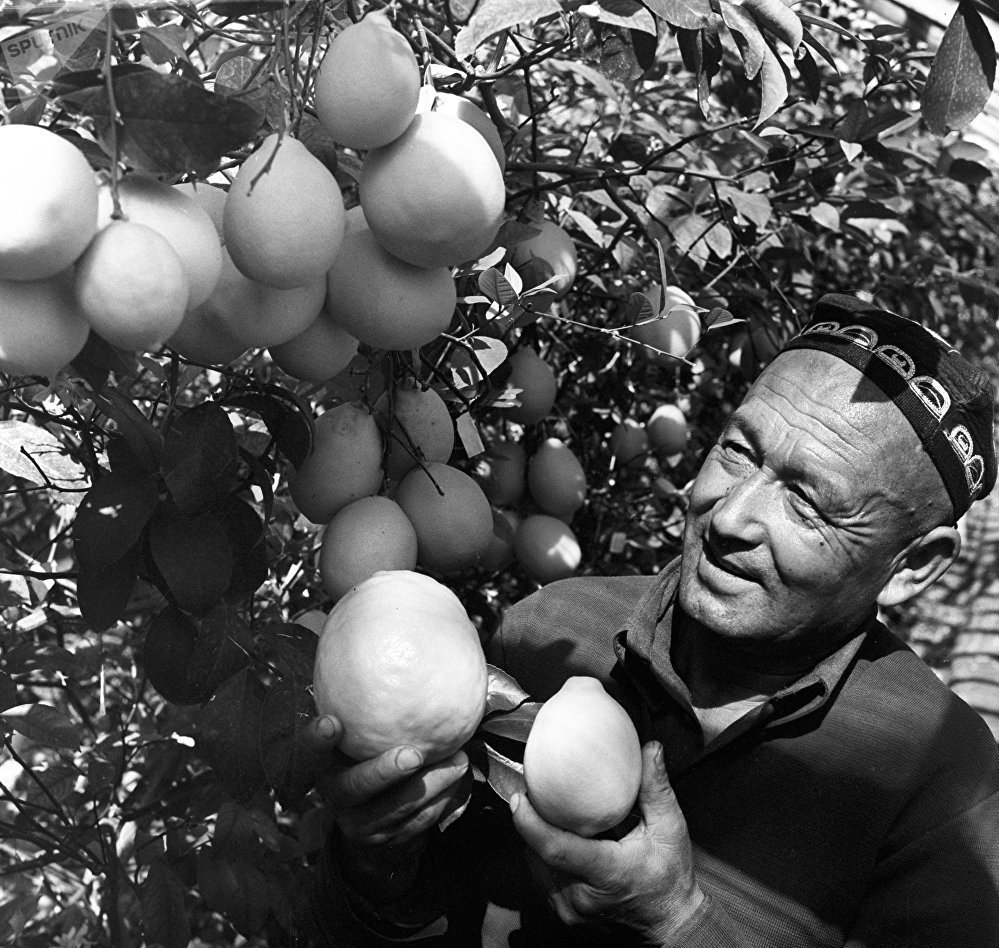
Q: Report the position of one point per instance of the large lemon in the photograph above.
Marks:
(446, 103)
(671, 336)
(399, 663)
(434, 197)
(323, 349)
(452, 518)
(284, 215)
(549, 253)
(383, 301)
(368, 84)
(556, 479)
(41, 326)
(547, 548)
(667, 429)
(421, 428)
(48, 203)
(537, 384)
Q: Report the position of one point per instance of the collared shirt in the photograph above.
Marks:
(856, 808)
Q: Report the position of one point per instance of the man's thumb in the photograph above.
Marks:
(656, 797)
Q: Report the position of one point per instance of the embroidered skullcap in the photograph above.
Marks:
(947, 400)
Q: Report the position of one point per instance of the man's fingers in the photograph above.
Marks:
(364, 780)
(561, 850)
(656, 798)
(322, 734)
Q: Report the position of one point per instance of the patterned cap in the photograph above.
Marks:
(947, 400)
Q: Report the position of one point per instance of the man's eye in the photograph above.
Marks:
(736, 448)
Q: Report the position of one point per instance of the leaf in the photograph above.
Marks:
(719, 239)
(111, 518)
(503, 693)
(187, 660)
(192, 555)
(287, 419)
(103, 592)
(245, 530)
(289, 763)
(235, 888)
(163, 43)
(495, 287)
(243, 832)
(515, 724)
(43, 724)
(143, 439)
(505, 776)
(747, 35)
(962, 74)
(200, 459)
(754, 207)
(773, 82)
(230, 732)
(169, 125)
(8, 692)
(34, 453)
(479, 357)
(494, 16)
(164, 916)
(628, 14)
(686, 14)
(825, 215)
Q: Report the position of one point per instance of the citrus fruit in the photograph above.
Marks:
(676, 333)
(132, 286)
(452, 517)
(202, 337)
(552, 252)
(323, 349)
(344, 465)
(499, 554)
(368, 84)
(547, 548)
(176, 216)
(212, 201)
(399, 663)
(446, 103)
(433, 197)
(556, 479)
(629, 441)
(366, 536)
(582, 759)
(502, 472)
(421, 427)
(383, 301)
(667, 429)
(537, 384)
(41, 326)
(259, 315)
(48, 194)
(284, 215)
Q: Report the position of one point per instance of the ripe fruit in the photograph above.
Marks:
(676, 333)
(628, 441)
(210, 198)
(502, 472)
(500, 554)
(176, 216)
(383, 301)
(547, 548)
(399, 663)
(41, 326)
(434, 197)
(49, 199)
(284, 215)
(452, 517)
(421, 428)
(203, 337)
(366, 536)
(583, 759)
(667, 428)
(552, 252)
(556, 479)
(323, 349)
(345, 463)
(537, 384)
(132, 286)
(446, 103)
(259, 315)
(368, 84)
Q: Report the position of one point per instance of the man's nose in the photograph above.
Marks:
(739, 514)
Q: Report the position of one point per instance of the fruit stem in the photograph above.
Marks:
(116, 212)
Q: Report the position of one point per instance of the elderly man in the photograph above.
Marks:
(807, 780)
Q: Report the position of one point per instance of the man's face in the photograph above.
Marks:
(796, 516)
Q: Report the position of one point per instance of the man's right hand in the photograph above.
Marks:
(392, 798)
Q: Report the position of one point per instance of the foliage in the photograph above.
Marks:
(153, 677)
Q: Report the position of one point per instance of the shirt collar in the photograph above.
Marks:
(643, 654)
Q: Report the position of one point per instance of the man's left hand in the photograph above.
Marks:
(644, 881)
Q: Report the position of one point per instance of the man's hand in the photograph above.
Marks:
(389, 799)
(644, 881)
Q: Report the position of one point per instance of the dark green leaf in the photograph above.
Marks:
(686, 14)
(242, 832)
(293, 647)
(199, 458)
(970, 173)
(192, 555)
(290, 764)
(245, 530)
(809, 71)
(164, 916)
(163, 43)
(479, 357)
(99, 359)
(43, 724)
(496, 287)
(133, 426)
(111, 518)
(169, 125)
(230, 733)
(287, 419)
(103, 592)
(187, 660)
(235, 888)
(8, 692)
(747, 35)
(963, 72)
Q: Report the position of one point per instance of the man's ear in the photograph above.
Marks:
(921, 564)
